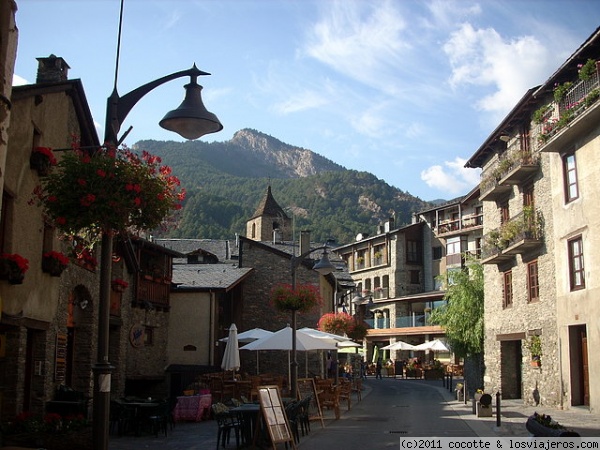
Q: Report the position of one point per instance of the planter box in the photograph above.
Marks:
(434, 374)
(539, 430)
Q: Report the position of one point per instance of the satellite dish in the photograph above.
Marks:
(359, 237)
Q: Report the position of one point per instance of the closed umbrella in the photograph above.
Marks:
(249, 336)
(375, 354)
(231, 357)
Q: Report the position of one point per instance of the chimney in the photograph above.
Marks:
(389, 225)
(52, 69)
(304, 241)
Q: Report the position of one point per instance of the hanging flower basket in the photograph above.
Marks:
(119, 285)
(336, 323)
(303, 298)
(41, 160)
(13, 268)
(109, 190)
(54, 263)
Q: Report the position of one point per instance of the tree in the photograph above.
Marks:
(462, 318)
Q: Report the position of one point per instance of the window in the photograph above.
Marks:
(504, 213)
(507, 297)
(570, 176)
(412, 251)
(437, 253)
(6, 221)
(576, 267)
(533, 286)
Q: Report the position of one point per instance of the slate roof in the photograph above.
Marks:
(221, 248)
(208, 276)
(269, 207)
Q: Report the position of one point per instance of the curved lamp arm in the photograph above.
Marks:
(118, 107)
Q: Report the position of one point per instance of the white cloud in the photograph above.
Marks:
(452, 178)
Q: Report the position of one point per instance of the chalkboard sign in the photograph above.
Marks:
(307, 388)
(274, 415)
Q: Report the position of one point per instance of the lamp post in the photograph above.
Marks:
(191, 120)
(324, 267)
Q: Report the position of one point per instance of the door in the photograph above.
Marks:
(584, 369)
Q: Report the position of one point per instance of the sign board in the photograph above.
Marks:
(274, 415)
(306, 388)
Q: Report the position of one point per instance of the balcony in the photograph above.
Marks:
(516, 165)
(381, 293)
(153, 291)
(416, 320)
(519, 235)
(573, 102)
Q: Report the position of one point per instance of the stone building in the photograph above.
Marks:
(538, 188)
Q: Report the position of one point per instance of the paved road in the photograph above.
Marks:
(390, 409)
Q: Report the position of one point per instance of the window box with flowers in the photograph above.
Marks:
(13, 268)
(41, 160)
(54, 263)
(119, 285)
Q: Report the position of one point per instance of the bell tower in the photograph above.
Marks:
(269, 222)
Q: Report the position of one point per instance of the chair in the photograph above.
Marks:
(304, 414)
(330, 399)
(346, 392)
(156, 418)
(226, 422)
(121, 418)
(219, 390)
(357, 388)
(291, 411)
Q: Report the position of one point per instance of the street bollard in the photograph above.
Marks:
(450, 381)
(466, 391)
(498, 410)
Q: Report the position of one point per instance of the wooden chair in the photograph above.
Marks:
(346, 392)
(357, 388)
(330, 399)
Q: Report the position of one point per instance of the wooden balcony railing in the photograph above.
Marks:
(154, 291)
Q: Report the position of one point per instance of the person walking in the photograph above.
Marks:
(378, 370)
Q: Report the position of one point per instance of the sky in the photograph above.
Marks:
(404, 89)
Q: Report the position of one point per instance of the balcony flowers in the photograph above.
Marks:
(54, 263)
(336, 323)
(42, 159)
(13, 267)
(109, 190)
(303, 298)
(357, 331)
(119, 285)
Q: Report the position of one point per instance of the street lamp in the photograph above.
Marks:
(324, 267)
(191, 120)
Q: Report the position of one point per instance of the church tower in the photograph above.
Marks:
(269, 222)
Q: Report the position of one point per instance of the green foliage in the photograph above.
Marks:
(462, 316)
(587, 70)
(225, 183)
(534, 345)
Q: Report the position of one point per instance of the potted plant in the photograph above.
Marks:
(534, 345)
(336, 323)
(303, 298)
(119, 285)
(13, 267)
(357, 331)
(542, 425)
(560, 90)
(42, 159)
(587, 70)
(54, 263)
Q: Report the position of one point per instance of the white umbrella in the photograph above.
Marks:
(346, 344)
(251, 336)
(282, 340)
(323, 334)
(435, 345)
(231, 357)
(399, 345)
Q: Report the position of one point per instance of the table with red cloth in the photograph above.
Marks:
(192, 408)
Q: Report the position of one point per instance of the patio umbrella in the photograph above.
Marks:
(375, 354)
(282, 340)
(231, 357)
(324, 335)
(399, 345)
(346, 344)
(435, 345)
(250, 336)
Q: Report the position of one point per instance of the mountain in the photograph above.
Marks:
(226, 180)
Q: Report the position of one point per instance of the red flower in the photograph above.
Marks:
(60, 257)
(16, 261)
(303, 298)
(47, 152)
(334, 323)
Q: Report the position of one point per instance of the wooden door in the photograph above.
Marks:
(584, 369)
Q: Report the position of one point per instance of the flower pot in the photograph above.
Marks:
(40, 163)
(4, 270)
(16, 277)
(52, 267)
(540, 430)
(535, 363)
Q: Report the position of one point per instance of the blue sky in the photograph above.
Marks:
(406, 90)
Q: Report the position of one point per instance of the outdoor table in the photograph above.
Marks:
(192, 408)
(249, 414)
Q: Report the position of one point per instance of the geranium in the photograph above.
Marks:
(15, 262)
(121, 283)
(303, 298)
(59, 257)
(357, 331)
(47, 152)
(336, 323)
(109, 190)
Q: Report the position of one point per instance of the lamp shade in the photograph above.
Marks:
(324, 266)
(191, 120)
